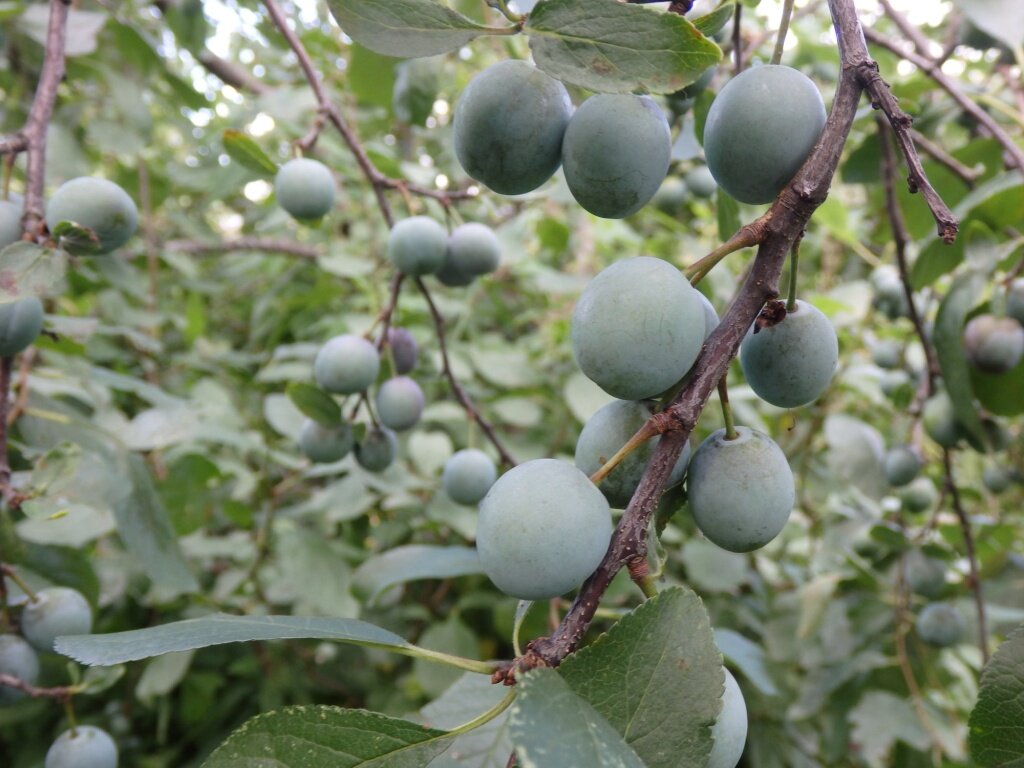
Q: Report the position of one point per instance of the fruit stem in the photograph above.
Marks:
(487, 716)
(794, 261)
(745, 237)
(9, 572)
(723, 396)
(502, 7)
(645, 433)
(521, 610)
(780, 41)
(69, 710)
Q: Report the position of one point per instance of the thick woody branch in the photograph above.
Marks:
(268, 245)
(969, 176)
(13, 144)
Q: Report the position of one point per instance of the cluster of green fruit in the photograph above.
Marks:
(939, 623)
(48, 614)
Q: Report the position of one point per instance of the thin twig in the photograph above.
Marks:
(6, 367)
(28, 357)
(737, 37)
(268, 245)
(61, 692)
(969, 176)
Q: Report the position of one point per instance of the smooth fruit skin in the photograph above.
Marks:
(939, 420)
(994, 344)
(730, 729)
(305, 189)
(10, 222)
(405, 352)
(700, 182)
(55, 611)
(508, 127)
(902, 465)
(616, 153)
(543, 528)
(637, 328)
(21, 322)
(761, 127)
(1015, 300)
(940, 624)
(995, 479)
(87, 747)
(925, 575)
(474, 249)
(671, 195)
(891, 381)
(886, 354)
(324, 444)
(97, 204)
(18, 659)
(605, 433)
(741, 491)
(919, 495)
(711, 319)
(468, 476)
(417, 245)
(378, 449)
(346, 364)
(400, 403)
(792, 362)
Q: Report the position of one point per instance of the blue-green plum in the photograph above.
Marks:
(791, 363)
(700, 182)
(1015, 300)
(919, 495)
(416, 85)
(95, 204)
(761, 127)
(925, 575)
(346, 364)
(741, 491)
(939, 420)
(508, 127)
(55, 611)
(400, 403)
(892, 381)
(405, 352)
(473, 250)
(671, 195)
(605, 433)
(21, 322)
(417, 245)
(902, 464)
(730, 729)
(543, 528)
(324, 444)
(18, 659)
(637, 328)
(995, 479)
(468, 476)
(889, 297)
(886, 353)
(994, 344)
(711, 319)
(85, 746)
(377, 450)
(305, 188)
(616, 153)
(940, 624)
(10, 222)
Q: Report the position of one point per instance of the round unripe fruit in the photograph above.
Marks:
(473, 250)
(404, 350)
(994, 344)
(417, 245)
(711, 319)
(891, 381)
(791, 363)
(670, 195)
(920, 495)
(55, 611)
(889, 298)
(995, 479)
(346, 364)
(96, 204)
(680, 101)
(700, 182)
(925, 575)
(18, 659)
(605, 433)
(741, 491)
(543, 528)
(21, 322)
(468, 476)
(940, 422)
(940, 624)
(761, 127)
(886, 354)
(730, 729)
(305, 188)
(509, 124)
(1015, 300)
(616, 153)
(85, 747)
(377, 450)
(399, 403)
(324, 444)
(10, 222)
(637, 328)
(902, 464)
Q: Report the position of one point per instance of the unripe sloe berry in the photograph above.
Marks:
(473, 250)
(400, 403)
(543, 528)
(377, 450)
(324, 444)
(86, 746)
(615, 153)
(941, 625)
(925, 575)
(891, 381)
(995, 479)
(10, 222)
(346, 364)
(919, 495)
(405, 351)
(994, 344)
(886, 353)
(605, 433)
(791, 363)
(741, 491)
(1015, 300)
(902, 464)
(637, 328)
(96, 204)
(417, 245)
(761, 127)
(508, 127)
(305, 188)
(468, 475)
(18, 659)
(700, 182)
(730, 729)
(671, 195)
(711, 319)
(939, 420)
(889, 298)
(21, 322)
(55, 611)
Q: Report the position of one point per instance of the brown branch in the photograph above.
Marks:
(737, 38)
(62, 692)
(911, 32)
(28, 357)
(388, 310)
(969, 176)
(6, 367)
(231, 74)
(286, 247)
(13, 144)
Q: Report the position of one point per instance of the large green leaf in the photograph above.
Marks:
(657, 665)
(1002, 19)
(949, 327)
(1000, 393)
(314, 403)
(311, 737)
(28, 269)
(411, 563)
(714, 22)
(487, 746)
(997, 722)
(246, 152)
(605, 45)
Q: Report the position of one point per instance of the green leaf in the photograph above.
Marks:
(552, 727)
(715, 22)
(748, 657)
(371, 76)
(996, 725)
(604, 45)
(76, 239)
(314, 403)
(29, 269)
(411, 563)
(247, 153)
(881, 719)
(405, 28)
(657, 664)
(308, 737)
(1001, 19)
(487, 746)
(1000, 393)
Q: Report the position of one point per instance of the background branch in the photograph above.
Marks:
(268, 245)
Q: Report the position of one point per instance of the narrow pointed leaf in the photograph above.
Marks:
(247, 153)
(314, 403)
(411, 563)
(715, 22)
(949, 328)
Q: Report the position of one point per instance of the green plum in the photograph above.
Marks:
(399, 403)
(305, 188)
(711, 319)
(324, 444)
(84, 746)
(405, 352)
(730, 729)
(55, 611)
(10, 222)
(994, 344)
(417, 245)
(1015, 300)
(995, 479)
(346, 364)
(377, 450)
(683, 99)
(468, 476)
(95, 204)
(925, 575)
(941, 625)
(892, 381)
(939, 420)
(671, 195)
(887, 354)
(889, 298)
(21, 322)
(18, 659)
(919, 495)
(902, 465)
(473, 250)
(700, 182)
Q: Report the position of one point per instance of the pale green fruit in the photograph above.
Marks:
(996, 479)
(925, 575)
(730, 729)
(417, 246)
(346, 364)
(941, 625)
(377, 450)
(21, 322)
(10, 222)
(919, 495)
(468, 476)
(1015, 300)
(85, 747)
(886, 353)
(18, 659)
(399, 403)
(902, 465)
(324, 444)
(473, 250)
(711, 319)
(95, 204)
(939, 420)
(994, 344)
(700, 182)
(305, 188)
(56, 611)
